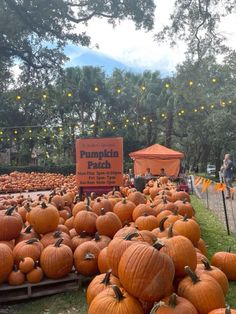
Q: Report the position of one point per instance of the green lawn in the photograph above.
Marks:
(216, 239)
(75, 302)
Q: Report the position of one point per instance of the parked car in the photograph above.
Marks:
(211, 169)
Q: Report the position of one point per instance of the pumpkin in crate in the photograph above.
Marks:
(56, 260)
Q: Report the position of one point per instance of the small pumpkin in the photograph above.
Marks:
(26, 264)
(10, 224)
(16, 277)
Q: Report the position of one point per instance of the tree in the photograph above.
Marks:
(35, 32)
(196, 22)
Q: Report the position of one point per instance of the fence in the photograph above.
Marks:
(214, 200)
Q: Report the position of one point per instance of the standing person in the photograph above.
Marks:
(228, 173)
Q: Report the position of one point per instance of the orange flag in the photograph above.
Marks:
(206, 185)
(199, 181)
(220, 186)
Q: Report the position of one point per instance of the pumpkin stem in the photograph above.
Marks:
(87, 201)
(44, 205)
(158, 245)
(156, 307)
(15, 268)
(89, 256)
(9, 211)
(106, 279)
(229, 249)
(185, 218)
(161, 224)
(118, 294)
(207, 264)
(57, 234)
(191, 274)
(130, 236)
(58, 242)
(31, 241)
(87, 208)
(103, 211)
(92, 196)
(124, 201)
(28, 229)
(170, 231)
(97, 237)
(83, 234)
(227, 310)
(173, 300)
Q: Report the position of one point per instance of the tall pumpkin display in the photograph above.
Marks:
(146, 273)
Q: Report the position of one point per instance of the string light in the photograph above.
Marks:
(202, 107)
(195, 110)
(143, 88)
(96, 89)
(1, 132)
(127, 120)
(167, 85)
(213, 80)
(101, 129)
(163, 115)
(14, 138)
(230, 102)
(118, 90)
(182, 111)
(45, 130)
(18, 97)
(15, 132)
(190, 83)
(30, 131)
(212, 106)
(144, 118)
(113, 127)
(150, 120)
(69, 94)
(108, 122)
(44, 96)
(179, 113)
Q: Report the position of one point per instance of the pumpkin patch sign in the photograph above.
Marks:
(99, 161)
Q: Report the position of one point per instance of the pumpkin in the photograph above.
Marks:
(100, 203)
(146, 236)
(77, 240)
(101, 240)
(185, 208)
(35, 275)
(86, 258)
(189, 228)
(117, 300)
(203, 291)
(26, 234)
(180, 195)
(223, 311)
(100, 283)
(137, 198)
(52, 237)
(58, 201)
(103, 263)
(126, 230)
(226, 261)
(182, 252)
(80, 206)
(6, 261)
(174, 305)
(56, 260)
(16, 277)
(146, 222)
(145, 272)
(202, 246)
(164, 213)
(108, 223)
(10, 224)
(116, 248)
(44, 218)
(124, 210)
(142, 209)
(172, 218)
(215, 272)
(28, 248)
(26, 264)
(85, 220)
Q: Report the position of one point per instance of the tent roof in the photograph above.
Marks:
(156, 151)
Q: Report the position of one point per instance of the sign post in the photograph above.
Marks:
(99, 163)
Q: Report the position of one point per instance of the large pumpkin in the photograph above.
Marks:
(108, 223)
(6, 261)
(44, 218)
(203, 291)
(146, 273)
(100, 283)
(226, 261)
(29, 248)
(124, 210)
(174, 305)
(116, 301)
(10, 224)
(85, 220)
(56, 260)
(188, 228)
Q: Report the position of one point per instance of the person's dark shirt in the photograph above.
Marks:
(228, 169)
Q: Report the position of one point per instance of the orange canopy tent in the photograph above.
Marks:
(156, 157)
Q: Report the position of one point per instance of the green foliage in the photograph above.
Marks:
(63, 169)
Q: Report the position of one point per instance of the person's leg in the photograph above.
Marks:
(228, 183)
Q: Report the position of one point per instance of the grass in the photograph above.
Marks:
(216, 239)
(74, 302)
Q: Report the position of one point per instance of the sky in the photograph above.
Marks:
(137, 48)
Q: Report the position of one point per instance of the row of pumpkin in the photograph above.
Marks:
(147, 249)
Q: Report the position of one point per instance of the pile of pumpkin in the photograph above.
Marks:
(147, 249)
(34, 181)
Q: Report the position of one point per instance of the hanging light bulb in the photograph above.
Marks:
(18, 97)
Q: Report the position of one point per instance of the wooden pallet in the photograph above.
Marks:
(46, 287)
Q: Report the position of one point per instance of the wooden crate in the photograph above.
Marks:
(46, 287)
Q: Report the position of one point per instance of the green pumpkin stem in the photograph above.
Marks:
(28, 229)
(58, 242)
(9, 211)
(156, 306)
(97, 237)
(158, 245)
(31, 241)
(106, 279)
(170, 231)
(118, 294)
(87, 201)
(206, 264)
(191, 274)
(161, 224)
(173, 300)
